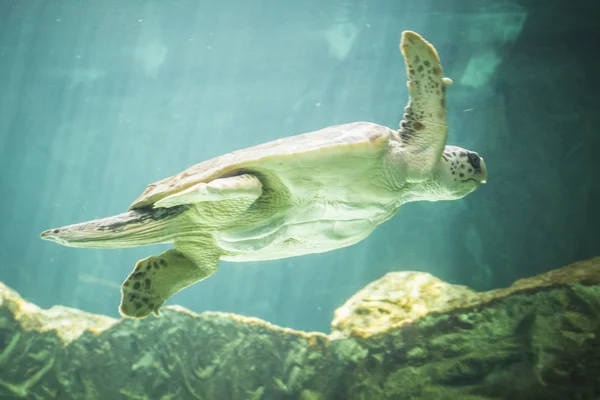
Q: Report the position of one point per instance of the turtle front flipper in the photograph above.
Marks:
(156, 278)
(247, 187)
(424, 128)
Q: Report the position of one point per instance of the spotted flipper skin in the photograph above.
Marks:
(424, 128)
(156, 278)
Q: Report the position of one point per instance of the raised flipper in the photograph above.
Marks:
(235, 187)
(424, 129)
(157, 278)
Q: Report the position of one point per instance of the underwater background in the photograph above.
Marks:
(100, 98)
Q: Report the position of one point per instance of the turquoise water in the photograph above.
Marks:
(100, 99)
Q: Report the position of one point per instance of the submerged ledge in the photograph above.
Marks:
(407, 336)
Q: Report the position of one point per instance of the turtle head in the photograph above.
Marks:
(459, 172)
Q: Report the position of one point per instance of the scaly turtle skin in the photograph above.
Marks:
(303, 194)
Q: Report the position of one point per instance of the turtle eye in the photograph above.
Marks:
(474, 160)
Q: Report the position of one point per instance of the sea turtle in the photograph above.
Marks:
(303, 194)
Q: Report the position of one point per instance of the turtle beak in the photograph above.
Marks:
(481, 175)
(479, 168)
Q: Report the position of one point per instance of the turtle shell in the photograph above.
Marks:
(340, 137)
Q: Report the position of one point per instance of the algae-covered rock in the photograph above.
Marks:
(180, 355)
(432, 340)
(405, 336)
(397, 299)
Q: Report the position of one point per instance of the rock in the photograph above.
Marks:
(406, 336)
(399, 298)
(428, 339)
(69, 354)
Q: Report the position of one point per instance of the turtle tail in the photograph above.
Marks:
(139, 227)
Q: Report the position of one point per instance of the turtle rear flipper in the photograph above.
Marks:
(156, 278)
